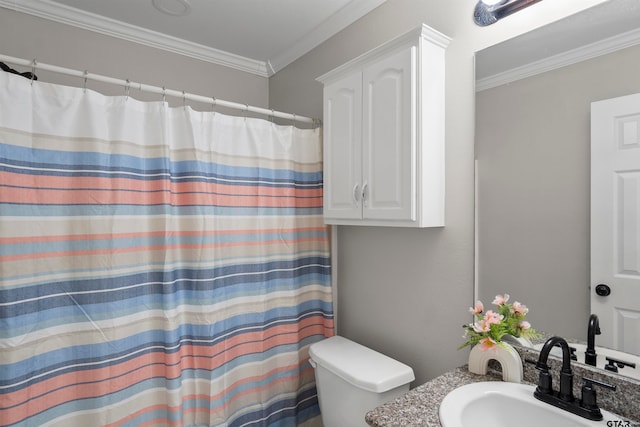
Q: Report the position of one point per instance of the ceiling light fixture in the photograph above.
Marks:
(172, 7)
(488, 12)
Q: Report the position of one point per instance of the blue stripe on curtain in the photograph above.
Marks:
(98, 164)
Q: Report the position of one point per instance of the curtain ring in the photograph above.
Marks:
(213, 105)
(272, 116)
(84, 86)
(294, 119)
(246, 109)
(184, 101)
(126, 90)
(164, 94)
(34, 63)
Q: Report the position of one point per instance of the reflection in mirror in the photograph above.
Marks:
(533, 133)
(611, 360)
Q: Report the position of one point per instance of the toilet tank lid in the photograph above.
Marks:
(360, 365)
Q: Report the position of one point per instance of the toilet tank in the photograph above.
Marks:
(352, 379)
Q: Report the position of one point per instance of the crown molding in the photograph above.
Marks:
(338, 22)
(88, 21)
(63, 14)
(583, 53)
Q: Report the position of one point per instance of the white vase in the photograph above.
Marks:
(504, 354)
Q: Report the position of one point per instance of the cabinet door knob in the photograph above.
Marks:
(356, 195)
(364, 194)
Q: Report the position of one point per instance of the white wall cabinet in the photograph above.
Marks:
(384, 135)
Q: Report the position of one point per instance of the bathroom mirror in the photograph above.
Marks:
(533, 159)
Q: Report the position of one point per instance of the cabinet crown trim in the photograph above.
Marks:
(423, 32)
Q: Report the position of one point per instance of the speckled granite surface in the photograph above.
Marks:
(419, 407)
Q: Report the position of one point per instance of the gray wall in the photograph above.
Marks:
(29, 37)
(533, 151)
(406, 292)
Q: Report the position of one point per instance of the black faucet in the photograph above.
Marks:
(590, 355)
(563, 399)
(566, 376)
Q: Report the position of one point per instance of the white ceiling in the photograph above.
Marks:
(258, 36)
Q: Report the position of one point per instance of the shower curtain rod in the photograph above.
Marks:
(158, 90)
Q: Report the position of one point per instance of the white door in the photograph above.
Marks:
(343, 148)
(389, 142)
(615, 221)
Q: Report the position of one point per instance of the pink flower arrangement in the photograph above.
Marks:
(489, 327)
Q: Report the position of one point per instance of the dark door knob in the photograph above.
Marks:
(603, 290)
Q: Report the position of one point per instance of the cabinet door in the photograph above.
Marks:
(389, 139)
(343, 148)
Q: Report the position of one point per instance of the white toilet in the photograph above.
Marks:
(352, 380)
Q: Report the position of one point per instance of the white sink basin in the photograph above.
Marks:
(602, 353)
(503, 404)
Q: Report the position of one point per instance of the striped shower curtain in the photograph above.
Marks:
(159, 266)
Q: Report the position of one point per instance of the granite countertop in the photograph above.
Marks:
(419, 407)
